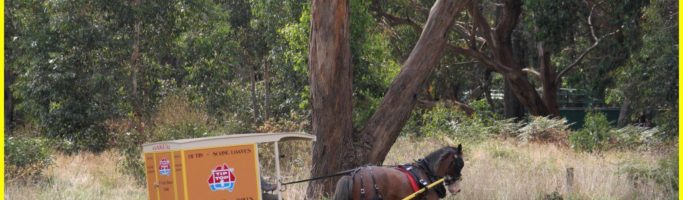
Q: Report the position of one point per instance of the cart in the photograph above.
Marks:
(222, 167)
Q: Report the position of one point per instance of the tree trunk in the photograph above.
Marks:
(512, 108)
(526, 94)
(9, 107)
(548, 81)
(382, 129)
(137, 75)
(330, 69)
(487, 90)
(624, 112)
(266, 81)
(331, 92)
(254, 102)
(516, 46)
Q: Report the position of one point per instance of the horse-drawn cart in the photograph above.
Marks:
(222, 167)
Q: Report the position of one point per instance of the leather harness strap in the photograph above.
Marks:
(378, 195)
(411, 179)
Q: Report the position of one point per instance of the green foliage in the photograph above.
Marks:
(292, 63)
(594, 135)
(26, 157)
(130, 147)
(646, 80)
(555, 21)
(441, 120)
(68, 80)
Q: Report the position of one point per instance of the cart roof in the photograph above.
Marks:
(225, 140)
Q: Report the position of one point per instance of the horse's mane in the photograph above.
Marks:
(432, 160)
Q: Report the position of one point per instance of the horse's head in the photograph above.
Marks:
(449, 166)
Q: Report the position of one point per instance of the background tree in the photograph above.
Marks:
(330, 71)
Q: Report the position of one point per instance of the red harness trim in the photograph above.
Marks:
(412, 181)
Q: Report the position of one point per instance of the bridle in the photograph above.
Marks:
(448, 179)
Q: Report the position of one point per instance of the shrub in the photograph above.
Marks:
(594, 135)
(445, 121)
(25, 157)
(507, 127)
(636, 137)
(130, 147)
(440, 120)
(544, 129)
(175, 119)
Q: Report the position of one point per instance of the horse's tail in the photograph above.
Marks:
(344, 188)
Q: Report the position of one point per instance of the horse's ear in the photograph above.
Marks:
(458, 150)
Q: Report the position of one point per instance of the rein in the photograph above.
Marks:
(342, 173)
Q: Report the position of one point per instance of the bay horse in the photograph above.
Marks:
(397, 182)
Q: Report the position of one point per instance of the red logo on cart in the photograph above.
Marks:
(222, 178)
(164, 167)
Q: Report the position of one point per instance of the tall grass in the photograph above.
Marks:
(494, 169)
(80, 176)
(508, 169)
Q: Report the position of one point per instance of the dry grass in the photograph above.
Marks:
(82, 176)
(506, 170)
(498, 169)
(495, 169)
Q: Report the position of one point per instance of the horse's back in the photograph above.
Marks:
(391, 184)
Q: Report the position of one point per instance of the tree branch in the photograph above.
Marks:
(490, 63)
(508, 20)
(532, 72)
(382, 129)
(585, 52)
(480, 22)
(392, 20)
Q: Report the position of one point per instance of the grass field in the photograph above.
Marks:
(494, 169)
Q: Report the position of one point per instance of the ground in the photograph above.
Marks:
(494, 169)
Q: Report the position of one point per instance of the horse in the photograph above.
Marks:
(397, 182)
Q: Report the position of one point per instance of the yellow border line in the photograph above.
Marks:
(680, 115)
(2, 63)
(156, 176)
(149, 193)
(184, 163)
(172, 167)
(258, 172)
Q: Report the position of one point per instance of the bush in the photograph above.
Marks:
(544, 129)
(441, 120)
(175, 119)
(130, 147)
(637, 137)
(594, 135)
(26, 157)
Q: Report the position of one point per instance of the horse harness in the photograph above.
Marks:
(412, 172)
(378, 195)
(417, 182)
